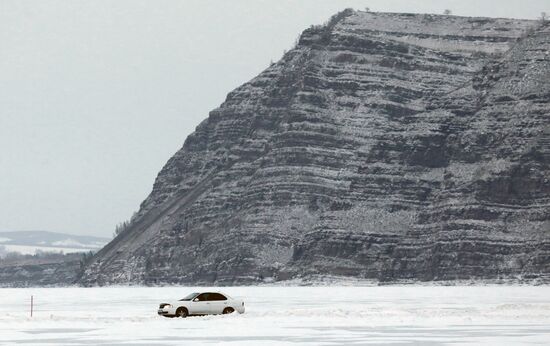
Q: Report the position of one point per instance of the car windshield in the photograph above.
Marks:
(191, 296)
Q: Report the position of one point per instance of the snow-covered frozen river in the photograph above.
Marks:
(404, 315)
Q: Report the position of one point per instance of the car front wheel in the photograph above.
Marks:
(228, 311)
(182, 312)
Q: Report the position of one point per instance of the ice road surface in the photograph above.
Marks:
(403, 315)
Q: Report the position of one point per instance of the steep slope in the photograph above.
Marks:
(386, 146)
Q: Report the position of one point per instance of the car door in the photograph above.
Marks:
(218, 302)
(200, 305)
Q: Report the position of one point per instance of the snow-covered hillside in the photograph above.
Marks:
(419, 315)
(386, 146)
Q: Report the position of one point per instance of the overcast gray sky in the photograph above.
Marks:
(95, 96)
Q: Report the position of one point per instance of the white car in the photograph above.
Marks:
(202, 303)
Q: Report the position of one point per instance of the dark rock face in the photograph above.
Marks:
(383, 146)
(43, 270)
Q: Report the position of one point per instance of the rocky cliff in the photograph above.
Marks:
(383, 146)
(46, 269)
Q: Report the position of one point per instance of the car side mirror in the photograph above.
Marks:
(196, 299)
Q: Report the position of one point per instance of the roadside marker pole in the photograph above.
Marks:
(32, 304)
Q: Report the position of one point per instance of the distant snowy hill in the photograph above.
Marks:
(30, 242)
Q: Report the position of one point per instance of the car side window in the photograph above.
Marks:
(202, 297)
(216, 296)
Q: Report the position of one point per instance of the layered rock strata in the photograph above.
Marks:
(383, 146)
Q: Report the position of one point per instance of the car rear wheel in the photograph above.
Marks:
(182, 312)
(227, 311)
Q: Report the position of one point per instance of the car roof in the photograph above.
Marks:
(201, 292)
(223, 294)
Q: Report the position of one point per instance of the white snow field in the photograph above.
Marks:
(398, 315)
